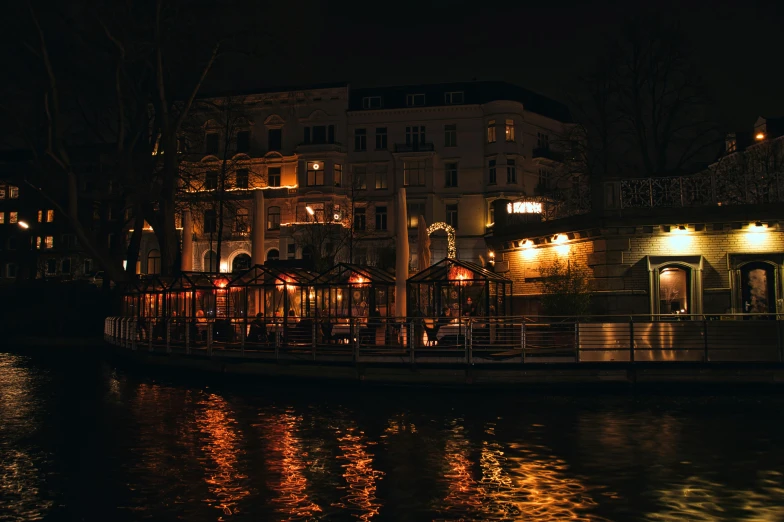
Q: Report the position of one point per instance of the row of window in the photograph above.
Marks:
(13, 217)
(10, 191)
(414, 100)
(50, 267)
(241, 178)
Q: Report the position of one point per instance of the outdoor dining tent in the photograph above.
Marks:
(146, 299)
(353, 291)
(451, 282)
(193, 294)
(272, 292)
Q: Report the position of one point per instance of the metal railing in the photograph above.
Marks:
(475, 340)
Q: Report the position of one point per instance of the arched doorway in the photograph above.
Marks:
(273, 255)
(675, 290)
(240, 263)
(757, 288)
(210, 261)
(154, 262)
(451, 247)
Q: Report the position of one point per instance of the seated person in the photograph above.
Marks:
(257, 330)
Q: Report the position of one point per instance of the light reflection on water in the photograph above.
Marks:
(83, 437)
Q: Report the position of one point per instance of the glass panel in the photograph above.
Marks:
(674, 291)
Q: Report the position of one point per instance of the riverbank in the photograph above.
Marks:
(586, 375)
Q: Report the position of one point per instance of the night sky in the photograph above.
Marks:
(542, 48)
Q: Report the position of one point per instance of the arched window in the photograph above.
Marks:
(675, 290)
(210, 261)
(273, 218)
(154, 262)
(273, 255)
(241, 262)
(757, 288)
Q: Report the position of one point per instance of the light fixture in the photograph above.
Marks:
(315, 166)
(527, 243)
(491, 254)
(681, 227)
(559, 238)
(760, 136)
(24, 224)
(758, 224)
(310, 210)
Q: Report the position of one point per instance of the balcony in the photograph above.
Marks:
(414, 147)
(304, 148)
(548, 154)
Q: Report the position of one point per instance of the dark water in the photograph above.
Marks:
(83, 441)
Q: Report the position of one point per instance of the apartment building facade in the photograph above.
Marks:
(273, 164)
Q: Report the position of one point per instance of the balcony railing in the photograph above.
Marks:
(414, 147)
(548, 153)
(698, 190)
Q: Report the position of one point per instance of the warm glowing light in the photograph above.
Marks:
(315, 166)
(524, 207)
(757, 227)
(680, 230)
(451, 246)
(560, 238)
(224, 266)
(563, 250)
(760, 136)
(357, 279)
(222, 283)
(24, 224)
(527, 244)
(310, 211)
(491, 254)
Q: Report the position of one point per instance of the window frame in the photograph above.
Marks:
(316, 168)
(381, 138)
(415, 99)
(492, 172)
(692, 263)
(360, 140)
(381, 177)
(273, 218)
(491, 131)
(450, 135)
(368, 102)
(274, 176)
(511, 171)
(241, 181)
(509, 130)
(454, 97)
(381, 217)
(421, 171)
(211, 180)
(451, 169)
(451, 214)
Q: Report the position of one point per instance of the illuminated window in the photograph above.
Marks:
(360, 140)
(154, 262)
(451, 215)
(2, 192)
(381, 138)
(13, 217)
(211, 180)
(414, 173)
(49, 242)
(338, 174)
(511, 171)
(453, 98)
(2, 218)
(315, 174)
(242, 222)
(40, 216)
(381, 177)
(674, 290)
(415, 100)
(240, 263)
(273, 176)
(450, 135)
(49, 216)
(360, 219)
(242, 178)
(273, 218)
(415, 210)
(509, 130)
(38, 242)
(381, 218)
(450, 171)
(492, 179)
(13, 192)
(211, 143)
(491, 131)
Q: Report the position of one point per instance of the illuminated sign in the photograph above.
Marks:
(524, 207)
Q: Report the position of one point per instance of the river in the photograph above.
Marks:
(82, 440)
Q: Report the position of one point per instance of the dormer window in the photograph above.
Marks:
(371, 102)
(453, 98)
(415, 100)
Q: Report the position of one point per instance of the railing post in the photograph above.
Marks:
(577, 341)
(522, 340)
(209, 338)
(134, 329)
(313, 339)
(168, 335)
(354, 329)
(188, 336)
(244, 326)
(631, 339)
(411, 343)
(151, 328)
(705, 338)
(469, 343)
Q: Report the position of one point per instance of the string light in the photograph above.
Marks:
(451, 247)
